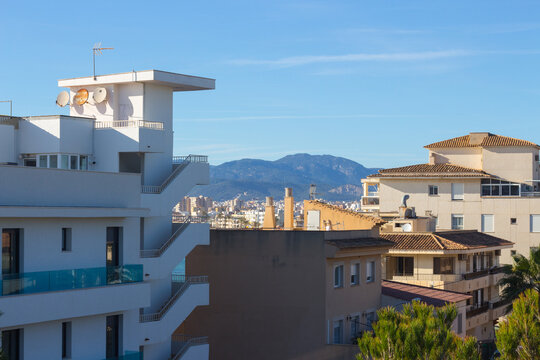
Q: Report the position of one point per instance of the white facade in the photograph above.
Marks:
(88, 243)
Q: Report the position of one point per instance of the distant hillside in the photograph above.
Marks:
(336, 178)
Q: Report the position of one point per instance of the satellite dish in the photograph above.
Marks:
(81, 97)
(407, 228)
(62, 99)
(100, 94)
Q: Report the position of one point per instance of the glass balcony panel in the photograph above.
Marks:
(59, 280)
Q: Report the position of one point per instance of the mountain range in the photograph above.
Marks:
(336, 178)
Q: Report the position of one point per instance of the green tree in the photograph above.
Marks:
(523, 274)
(518, 337)
(421, 331)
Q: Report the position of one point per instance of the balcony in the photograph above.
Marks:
(425, 277)
(370, 201)
(475, 274)
(59, 280)
(477, 310)
(154, 125)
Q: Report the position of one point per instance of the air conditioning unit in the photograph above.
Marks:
(462, 257)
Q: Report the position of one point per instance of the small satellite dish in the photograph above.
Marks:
(100, 95)
(62, 99)
(81, 97)
(407, 228)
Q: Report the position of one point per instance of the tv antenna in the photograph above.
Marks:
(97, 50)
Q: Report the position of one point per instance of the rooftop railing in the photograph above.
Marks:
(181, 343)
(59, 280)
(499, 303)
(154, 125)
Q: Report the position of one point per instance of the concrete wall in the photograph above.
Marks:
(515, 164)
(7, 144)
(333, 218)
(466, 157)
(67, 188)
(267, 294)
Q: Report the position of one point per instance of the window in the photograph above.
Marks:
(513, 221)
(433, 190)
(443, 265)
(404, 266)
(112, 336)
(460, 323)
(458, 190)
(355, 326)
(43, 161)
(370, 271)
(66, 239)
(29, 161)
(495, 187)
(11, 343)
(457, 221)
(73, 162)
(53, 161)
(64, 161)
(66, 340)
(338, 276)
(355, 274)
(370, 319)
(338, 332)
(83, 162)
(513, 252)
(535, 223)
(488, 223)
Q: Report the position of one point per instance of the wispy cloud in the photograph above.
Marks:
(291, 117)
(363, 57)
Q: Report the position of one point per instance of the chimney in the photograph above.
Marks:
(269, 214)
(476, 138)
(288, 218)
(431, 158)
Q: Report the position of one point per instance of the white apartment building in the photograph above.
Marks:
(88, 244)
(479, 181)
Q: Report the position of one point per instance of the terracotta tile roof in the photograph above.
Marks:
(373, 218)
(360, 243)
(429, 170)
(444, 240)
(431, 296)
(489, 140)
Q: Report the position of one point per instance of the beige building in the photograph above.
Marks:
(321, 216)
(464, 261)
(479, 181)
(287, 294)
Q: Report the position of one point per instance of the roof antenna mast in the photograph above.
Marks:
(97, 49)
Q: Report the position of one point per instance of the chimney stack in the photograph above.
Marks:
(288, 218)
(269, 214)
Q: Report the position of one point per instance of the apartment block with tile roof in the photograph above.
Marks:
(462, 261)
(480, 181)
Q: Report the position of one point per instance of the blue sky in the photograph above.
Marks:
(372, 81)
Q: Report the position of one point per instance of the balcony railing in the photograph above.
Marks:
(181, 343)
(499, 303)
(59, 280)
(477, 310)
(475, 274)
(154, 125)
(180, 283)
(425, 277)
(496, 270)
(183, 162)
(150, 253)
